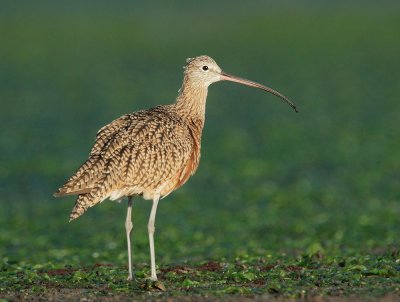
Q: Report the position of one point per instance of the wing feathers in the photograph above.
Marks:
(138, 151)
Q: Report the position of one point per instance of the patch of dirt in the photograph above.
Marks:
(178, 269)
(210, 266)
(268, 267)
(259, 282)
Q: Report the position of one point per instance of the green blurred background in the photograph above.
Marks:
(270, 181)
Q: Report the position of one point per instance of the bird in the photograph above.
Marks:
(150, 153)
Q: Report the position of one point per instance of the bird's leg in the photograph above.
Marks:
(128, 228)
(151, 230)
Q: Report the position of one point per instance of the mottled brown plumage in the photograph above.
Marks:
(144, 153)
(152, 152)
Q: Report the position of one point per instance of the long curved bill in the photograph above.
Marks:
(232, 78)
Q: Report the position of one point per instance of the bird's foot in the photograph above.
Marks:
(153, 279)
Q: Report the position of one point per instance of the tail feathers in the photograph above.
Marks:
(83, 202)
(83, 179)
(70, 191)
(96, 190)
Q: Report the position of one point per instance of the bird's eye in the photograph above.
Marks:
(205, 68)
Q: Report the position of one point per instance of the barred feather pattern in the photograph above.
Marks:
(144, 153)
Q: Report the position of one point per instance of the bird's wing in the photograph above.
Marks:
(152, 151)
(151, 148)
(106, 133)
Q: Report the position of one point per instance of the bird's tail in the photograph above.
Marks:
(82, 203)
(80, 207)
(96, 195)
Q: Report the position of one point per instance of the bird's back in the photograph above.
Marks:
(150, 152)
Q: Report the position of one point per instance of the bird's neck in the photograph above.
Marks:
(191, 100)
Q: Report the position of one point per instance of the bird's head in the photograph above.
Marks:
(203, 70)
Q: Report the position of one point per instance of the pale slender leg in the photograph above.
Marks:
(151, 230)
(128, 228)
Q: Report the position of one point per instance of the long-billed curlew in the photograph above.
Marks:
(150, 152)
